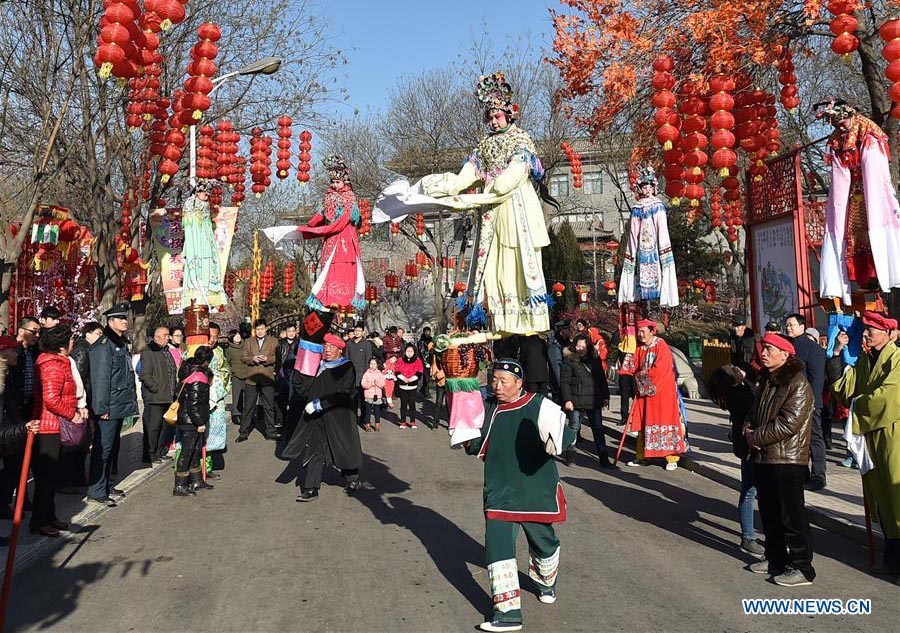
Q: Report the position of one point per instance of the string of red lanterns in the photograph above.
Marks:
(890, 33)
(289, 270)
(201, 70)
(693, 141)
(119, 40)
(788, 79)
(420, 224)
(284, 147)
(365, 214)
(574, 163)
(303, 166)
(668, 132)
(843, 25)
(267, 281)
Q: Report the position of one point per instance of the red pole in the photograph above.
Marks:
(870, 541)
(621, 441)
(14, 536)
(202, 470)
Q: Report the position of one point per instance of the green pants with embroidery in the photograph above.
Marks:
(500, 547)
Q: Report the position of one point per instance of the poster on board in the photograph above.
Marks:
(774, 273)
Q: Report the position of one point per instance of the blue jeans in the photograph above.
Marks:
(745, 502)
(105, 449)
(595, 418)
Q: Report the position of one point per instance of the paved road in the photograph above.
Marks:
(643, 550)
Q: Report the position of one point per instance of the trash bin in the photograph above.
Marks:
(695, 348)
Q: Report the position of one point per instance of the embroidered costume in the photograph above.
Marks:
(656, 413)
(862, 215)
(521, 489)
(219, 393)
(202, 270)
(648, 272)
(341, 283)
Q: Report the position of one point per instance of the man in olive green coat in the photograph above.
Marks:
(872, 390)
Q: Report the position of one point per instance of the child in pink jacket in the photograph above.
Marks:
(373, 393)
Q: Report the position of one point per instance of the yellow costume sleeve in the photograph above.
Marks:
(448, 184)
(510, 178)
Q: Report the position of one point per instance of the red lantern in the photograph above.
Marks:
(459, 288)
(420, 224)
(422, 260)
(890, 33)
(201, 69)
(558, 289)
(395, 228)
(371, 294)
(289, 270)
(788, 80)
(171, 12)
(412, 270)
(610, 287)
(722, 121)
(584, 293)
(391, 281)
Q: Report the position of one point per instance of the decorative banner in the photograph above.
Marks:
(168, 240)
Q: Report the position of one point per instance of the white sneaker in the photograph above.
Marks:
(500, 626)
(671, 465)
(413, 426)
(634, 463)
(632, 434)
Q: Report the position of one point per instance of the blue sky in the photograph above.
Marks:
(385, 39)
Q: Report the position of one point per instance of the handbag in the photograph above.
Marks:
(72, 434)
(170, 417)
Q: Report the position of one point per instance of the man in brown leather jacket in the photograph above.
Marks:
(258, 353)
(778, 435)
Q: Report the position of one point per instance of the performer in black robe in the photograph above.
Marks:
(327, 432)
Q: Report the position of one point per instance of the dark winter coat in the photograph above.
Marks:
(359, 353)
(112, 377)
(813, 356)
(193, 400)
(739, 403)
(533, 355)
(583, 381)
(285, 356)
(742, 350)
(239, 368)
(12, 428)
(332, 431)
(158, 374)
(781, 417)
(17, 374)
(81, 354)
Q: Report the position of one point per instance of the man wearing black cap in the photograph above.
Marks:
(743, 343)
(522, 435)
(113, 398)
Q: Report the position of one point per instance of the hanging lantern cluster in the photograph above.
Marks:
(206, 153)
(411, 270)
(175, 141)
(125, 231)
(120, 40)
(157, 137)
(392, 281)
(365, 214)
(558, 289)
(420, 224)
(395, 228)
(610, 287)
(284, 147)
(715, 206)
(229, 281)
(423, 261)
(721, 103)
(890, 33)
(303, 166)
(692, 108)
(843, 25)
(668, 131)
(260, 163)
(236, 180)
(371, 294)
(448, 263)
(201, 70)
(788, 80)
(698, 284)
(574, 159)
(226, 148)
(267, 281)
(289, 270)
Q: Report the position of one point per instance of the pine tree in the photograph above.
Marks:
(563, 261)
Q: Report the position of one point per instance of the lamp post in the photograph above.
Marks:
(264, 66)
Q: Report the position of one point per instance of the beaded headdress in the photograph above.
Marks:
(646, 176)
(834, 110)
(495, 93)
(336, 167)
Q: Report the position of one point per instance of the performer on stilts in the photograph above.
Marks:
(519, 442)
(202, 269)
(341, 284)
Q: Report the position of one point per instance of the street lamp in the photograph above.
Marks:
(264, 66)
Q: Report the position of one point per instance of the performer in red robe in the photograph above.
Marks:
(341, 284)
(656, 412)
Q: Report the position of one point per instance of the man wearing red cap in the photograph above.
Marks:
(872, 391)
(656, 413)
(778, 436)
(327, 432)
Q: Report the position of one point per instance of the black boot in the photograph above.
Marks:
(197, 483)
(182, 487)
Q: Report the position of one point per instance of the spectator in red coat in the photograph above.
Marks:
(55, 397)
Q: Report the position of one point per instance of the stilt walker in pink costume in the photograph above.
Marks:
(340, 284)
(862, 216)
